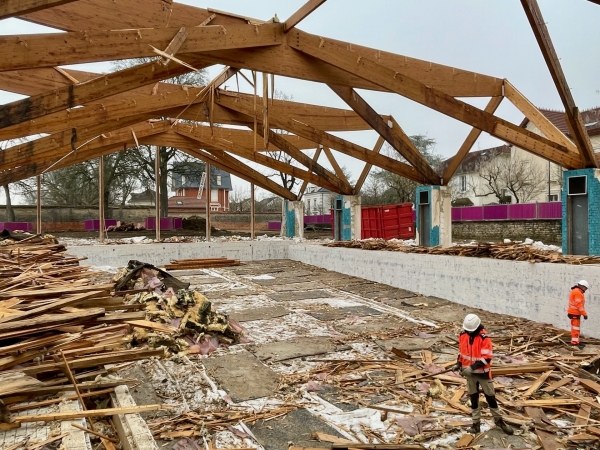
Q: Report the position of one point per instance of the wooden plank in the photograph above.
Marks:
(391, 132)
(50, 292)
(52, 49)
(547, 128)
(131, 428)
(68, 415)
(51, 319)
(578, 131)
(590, 385)
(15, 8)
(583, 415)
(547, 440)
(305, 182)
(464, 441)
(301, 14)
(421, 93)
(537, 384)
(58, 304)
(336, 167)
(365, 172)
(560, 383)
(468, 143)
(164, 328)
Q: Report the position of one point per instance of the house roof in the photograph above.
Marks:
(193, 172)
(474, 159)
(147, 195)
(591, 120)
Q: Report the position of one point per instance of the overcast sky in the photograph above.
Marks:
(492, 37)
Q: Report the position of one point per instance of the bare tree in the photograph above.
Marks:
(514, 175)
(239, 199)
(401, 189)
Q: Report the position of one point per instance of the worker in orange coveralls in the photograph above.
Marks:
(474, 362)
(577, 309)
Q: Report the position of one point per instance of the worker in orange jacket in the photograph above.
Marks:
(474, 362)
(576, 309)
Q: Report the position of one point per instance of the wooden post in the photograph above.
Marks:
(157, 189)
(101, 198)
(39, 204)
(207, 184)
(252, 211)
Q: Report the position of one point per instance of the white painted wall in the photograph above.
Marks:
(537, 292)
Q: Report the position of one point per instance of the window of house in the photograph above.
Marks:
(214, 208)
(463, 183)
(214, 195)
(179, 202)
(183, 180)
(315, 203)
(218, 180)
(553, 198)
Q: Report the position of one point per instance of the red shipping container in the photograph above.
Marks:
(388, 222)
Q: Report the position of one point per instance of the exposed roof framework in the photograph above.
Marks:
(86, 115)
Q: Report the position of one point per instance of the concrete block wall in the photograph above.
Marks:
(547, 231)
(537, 292)
(159, 254)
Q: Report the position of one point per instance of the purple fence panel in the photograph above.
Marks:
(14, 226)
(522, 211)
(495, 212)
(274, 226)
(166, 223)
(177, 223)
(550, 210)
(323, 218)
(456, 214)
(472, 213)
(94, 224)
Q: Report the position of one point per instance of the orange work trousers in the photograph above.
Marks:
(575, 328)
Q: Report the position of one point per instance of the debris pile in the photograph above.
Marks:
(126, 226)
(179, 318)
(509, 251)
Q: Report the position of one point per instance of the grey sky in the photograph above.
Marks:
(492, 37)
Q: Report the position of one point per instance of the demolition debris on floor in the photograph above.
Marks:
(262, 354)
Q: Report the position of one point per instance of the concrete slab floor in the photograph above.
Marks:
(290, 333)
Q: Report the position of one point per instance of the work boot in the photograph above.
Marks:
(475, 428)
(504, 426)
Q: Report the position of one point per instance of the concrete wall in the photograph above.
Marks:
(159, 254)
(547, 231)
(533, 291)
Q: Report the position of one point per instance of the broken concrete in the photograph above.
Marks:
(297, 348)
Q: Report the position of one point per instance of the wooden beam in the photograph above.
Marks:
(336, 167)
(175, 44)
(15, 8)
(467, 144)
(574, 121)
(428, 96)
(331, 141)
(95, 89)
(365, 172)
(50, 147)
(313, 166)
(267, 161)
(315, 158)
(301, 14)
(547, 128)
(391, 132)
(59, 49)
(280, 61)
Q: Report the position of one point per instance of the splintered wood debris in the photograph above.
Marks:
(201, 263)
(513, 251)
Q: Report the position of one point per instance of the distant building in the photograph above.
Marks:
(317, 201)
(186, 182)
(145, 198)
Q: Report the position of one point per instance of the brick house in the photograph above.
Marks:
(186, 182)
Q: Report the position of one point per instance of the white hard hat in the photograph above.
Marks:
(584, 283)
(471, 322)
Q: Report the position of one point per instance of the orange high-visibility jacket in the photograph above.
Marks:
(479, 350)
(577, 302)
